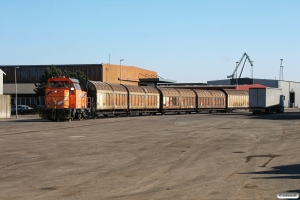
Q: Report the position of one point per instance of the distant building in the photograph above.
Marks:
(290, 89)
(27, 75)
(1, 81)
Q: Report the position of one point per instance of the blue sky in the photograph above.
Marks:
(183, 40)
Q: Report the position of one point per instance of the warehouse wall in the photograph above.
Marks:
(5, 108)
(285, 90)
(97, 72)
(32, 73)
(287, 87)
(295, 87)
(1, 82)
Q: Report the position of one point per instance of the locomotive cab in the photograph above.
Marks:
(64, 99)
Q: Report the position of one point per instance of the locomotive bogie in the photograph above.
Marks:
(64, 114)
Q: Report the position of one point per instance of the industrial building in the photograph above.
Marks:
(290, 89)
(4, 100)
(27, 75)
(1, 81)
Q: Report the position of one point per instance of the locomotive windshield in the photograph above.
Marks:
(77, 86)
(59, 84)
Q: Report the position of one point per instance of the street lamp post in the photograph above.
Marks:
(16, 101)
(121, 71)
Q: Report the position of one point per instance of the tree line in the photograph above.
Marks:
(53, 71)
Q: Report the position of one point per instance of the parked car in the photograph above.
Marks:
(21, 109)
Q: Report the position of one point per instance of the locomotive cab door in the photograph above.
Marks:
(72, 96)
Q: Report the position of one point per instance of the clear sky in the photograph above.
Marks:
(183, 40)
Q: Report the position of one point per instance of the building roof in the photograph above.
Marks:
(247, 87)
(2, 71)
(182, 84)
(23, 88)
(203, 87)
(156, 80)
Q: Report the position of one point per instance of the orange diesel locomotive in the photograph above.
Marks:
(64, 99)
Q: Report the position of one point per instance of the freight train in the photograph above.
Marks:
(66, 99)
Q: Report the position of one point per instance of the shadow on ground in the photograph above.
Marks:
(275, 116)
(280, 172)
(281, 116)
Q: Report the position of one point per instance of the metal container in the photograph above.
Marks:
(237, 99)
(169, 98)
(204, 99)
(219, 99)
(210, 99)
(137, 97)
(187, 99)
(177, 99)
(265, 97)
(152, 97)
(108, 96)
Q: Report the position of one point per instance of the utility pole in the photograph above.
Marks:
(121, 70)
(281, 70)
(16, 102)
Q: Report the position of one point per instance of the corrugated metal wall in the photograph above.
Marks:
(97, 72)
(5, 108)
(32, 73)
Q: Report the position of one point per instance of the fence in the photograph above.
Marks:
(5, 108)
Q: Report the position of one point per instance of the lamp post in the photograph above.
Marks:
(121, 71)
(16, 101)
(281, 70)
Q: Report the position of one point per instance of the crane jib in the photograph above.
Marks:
(239, 63)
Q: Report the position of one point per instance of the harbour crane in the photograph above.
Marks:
(239, 63)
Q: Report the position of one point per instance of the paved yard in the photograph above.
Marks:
(197, 156)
